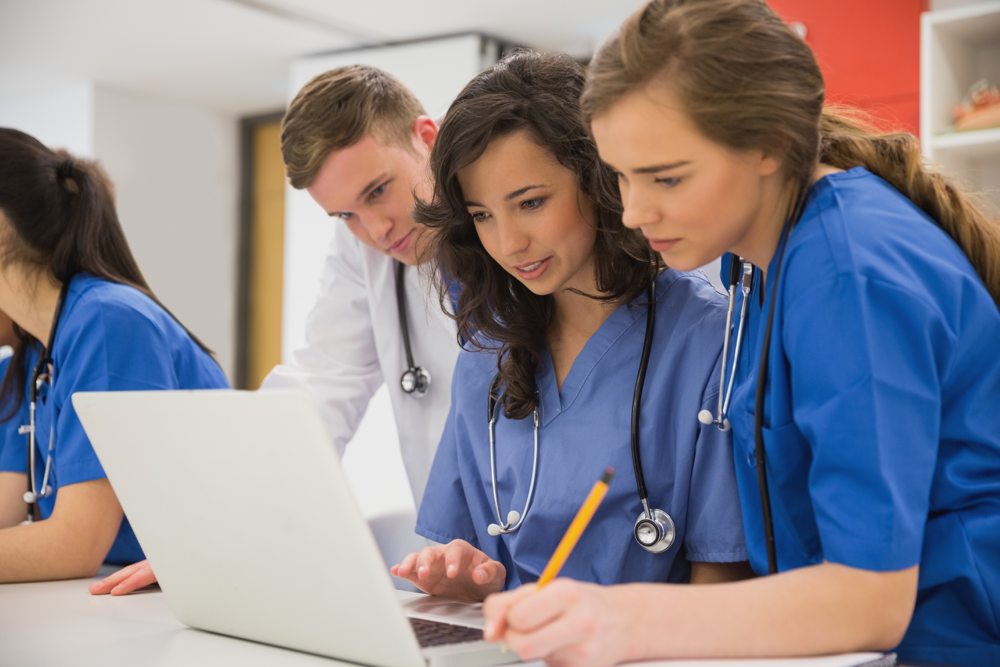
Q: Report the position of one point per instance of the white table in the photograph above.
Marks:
(58, 623)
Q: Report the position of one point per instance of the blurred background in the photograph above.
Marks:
(180, 100)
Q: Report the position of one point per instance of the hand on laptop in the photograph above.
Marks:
(125, 580)
(456, 570)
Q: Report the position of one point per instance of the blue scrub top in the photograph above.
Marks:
(882, 416)
(111, 337)
(585, 428)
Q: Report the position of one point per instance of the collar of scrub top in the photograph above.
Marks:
(654, 529)
(39, 376)
(415, 380)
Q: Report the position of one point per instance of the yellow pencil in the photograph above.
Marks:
(576, 528)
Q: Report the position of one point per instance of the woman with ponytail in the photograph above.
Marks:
(79, 304)
(870, 483)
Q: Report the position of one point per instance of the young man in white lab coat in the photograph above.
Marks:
(358, 141)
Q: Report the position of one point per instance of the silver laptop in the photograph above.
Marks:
(239, 502)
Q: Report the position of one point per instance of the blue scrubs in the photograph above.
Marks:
(111, 337)
(882, 416)
(584, 428)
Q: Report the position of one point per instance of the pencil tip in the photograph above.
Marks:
(609, 472)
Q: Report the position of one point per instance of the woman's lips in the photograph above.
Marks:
(534, 269)
(663, 245)
(402, 244)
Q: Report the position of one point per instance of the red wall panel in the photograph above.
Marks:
(869, 51)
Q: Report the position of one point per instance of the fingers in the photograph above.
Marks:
(485, 573)
(497, 606)
(405, 569)
(141, 578)
(549, 604)
(458, 555)
(564, 634)
(104, 586)
(430, 564)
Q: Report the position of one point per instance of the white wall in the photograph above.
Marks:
(61, 118)
(175, 169)
(176, 172)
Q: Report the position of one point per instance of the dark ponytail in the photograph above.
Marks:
(57, 215)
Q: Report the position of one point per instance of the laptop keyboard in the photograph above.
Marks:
(433, 633)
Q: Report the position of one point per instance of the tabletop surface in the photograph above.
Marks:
(59, 623)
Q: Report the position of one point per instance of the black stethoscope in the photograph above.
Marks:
(654, 529)
(415, 380)
(760, 392)
(39, 376)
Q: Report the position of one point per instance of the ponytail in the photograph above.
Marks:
(58, 216)
(747, 81)
(845, 143)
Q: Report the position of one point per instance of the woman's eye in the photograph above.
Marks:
(531, 204)
(669, 181)
(345, 216)
(480, 216)
(378, 192)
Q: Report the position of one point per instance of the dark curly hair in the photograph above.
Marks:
(538, 94)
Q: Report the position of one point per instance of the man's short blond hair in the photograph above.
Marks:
(336, 110)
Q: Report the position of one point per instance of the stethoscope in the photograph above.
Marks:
(705, 417)
(415, 380)
(39, 376)
(736, 270)
(654, 529)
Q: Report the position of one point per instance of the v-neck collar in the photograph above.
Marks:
(552, 401)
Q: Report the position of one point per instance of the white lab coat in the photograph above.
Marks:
(354, 344)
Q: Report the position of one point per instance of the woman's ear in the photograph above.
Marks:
(769, 164)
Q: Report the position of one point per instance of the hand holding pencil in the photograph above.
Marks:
(496, 627)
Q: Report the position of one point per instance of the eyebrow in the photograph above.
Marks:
(364, 192)
(656, 168)
(512, 195)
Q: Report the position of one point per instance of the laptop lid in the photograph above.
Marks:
(296, 564)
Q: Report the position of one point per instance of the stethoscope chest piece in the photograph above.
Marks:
(655, 531)
(415, 381)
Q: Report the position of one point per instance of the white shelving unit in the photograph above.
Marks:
(957, 48)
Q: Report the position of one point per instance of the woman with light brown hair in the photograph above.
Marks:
(867, 446)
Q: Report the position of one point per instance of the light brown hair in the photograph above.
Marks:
(748, 82)
(337, 109)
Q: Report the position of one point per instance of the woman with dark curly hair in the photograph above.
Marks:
(553, 308)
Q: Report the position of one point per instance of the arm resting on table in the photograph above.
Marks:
(72, 543)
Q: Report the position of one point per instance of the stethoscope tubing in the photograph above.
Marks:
(656, 519)
(504, 524)
(640, 381)
(419, 378)
(38, 375)
(761, 392)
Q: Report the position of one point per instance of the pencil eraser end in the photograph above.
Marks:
(609, 472)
